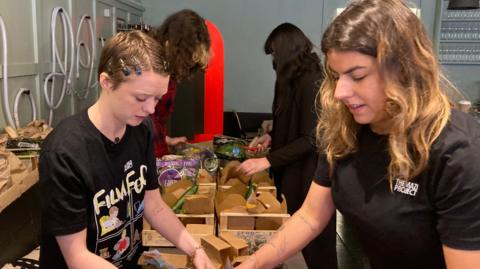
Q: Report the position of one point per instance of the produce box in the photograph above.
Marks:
(20, 185)
(253, 217)
(224, 249)
(197, 208)
(151, 238)
(230, 176)
(255, 229)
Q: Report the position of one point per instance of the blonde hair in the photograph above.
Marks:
(417, 104)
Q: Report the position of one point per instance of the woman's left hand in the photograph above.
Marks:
(254, 165)
(201, 260)
(173, 141)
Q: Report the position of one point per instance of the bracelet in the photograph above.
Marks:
(194, 252)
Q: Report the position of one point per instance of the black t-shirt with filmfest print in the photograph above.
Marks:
(89, 182)
(407, 227)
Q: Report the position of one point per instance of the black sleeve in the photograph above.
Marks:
(305, 143)
(456, 195)
(321, 176)
(152, 181)
(64, 194)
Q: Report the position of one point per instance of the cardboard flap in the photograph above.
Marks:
(198, 204)
(240, 246)
(239, 188)
(225, 174)
(284, 204)
(173, 192)
(216, 249)
(254, 206)
(262, 178)
(233, 181)
(204, 177)
(231, 201)
(230, 171)
(270, 202)
(202, 229)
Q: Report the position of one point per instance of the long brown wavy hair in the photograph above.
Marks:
(185, 43)
(417, 103)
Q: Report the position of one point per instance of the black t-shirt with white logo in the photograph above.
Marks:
(405, 227)
(90, 182)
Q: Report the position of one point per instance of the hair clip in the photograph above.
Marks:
(165, 65)
(136, 66)
(138, 70)
(125, 69)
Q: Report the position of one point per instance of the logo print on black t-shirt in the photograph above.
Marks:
(406, 187)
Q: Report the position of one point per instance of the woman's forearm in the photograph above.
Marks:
(164, 221)
(297, 232)
(287, 241)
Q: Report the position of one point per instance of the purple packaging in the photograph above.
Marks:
(172, 170)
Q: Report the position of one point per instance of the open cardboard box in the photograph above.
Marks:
(201, 202)
(224, 249)
(234, 218)
(217, 250)
(231, 202)
(20, 185)
(229, 176)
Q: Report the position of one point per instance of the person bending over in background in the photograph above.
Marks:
(185, 46)
(97, 168)
(398, 162)
(293, 155)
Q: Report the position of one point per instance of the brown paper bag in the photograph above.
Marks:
(5, 178)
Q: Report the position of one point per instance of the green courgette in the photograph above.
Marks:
(252, 188)
(177, 207)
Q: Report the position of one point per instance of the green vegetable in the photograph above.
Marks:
(177, 207)
(252, 188)
(231, 151)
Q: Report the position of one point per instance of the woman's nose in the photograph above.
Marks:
(149, 107)
(343, 89)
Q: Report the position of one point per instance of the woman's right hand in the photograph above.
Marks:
(248, 263)
(261, 142)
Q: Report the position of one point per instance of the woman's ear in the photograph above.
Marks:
(105, 81)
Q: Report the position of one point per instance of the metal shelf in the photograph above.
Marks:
(460, 63)
(459, 41)
(460, 19)
(459, 37)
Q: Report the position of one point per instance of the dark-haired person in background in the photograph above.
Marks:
(186, 48)
(293, 156)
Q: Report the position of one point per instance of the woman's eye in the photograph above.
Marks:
(358, 78)
(140, 99)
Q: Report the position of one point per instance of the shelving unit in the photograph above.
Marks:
(459, 41)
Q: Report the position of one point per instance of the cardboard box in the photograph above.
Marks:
(151, 238)
(20, 186)
(239, 245)
(255, 238)
(200, 230)
(217, 250)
